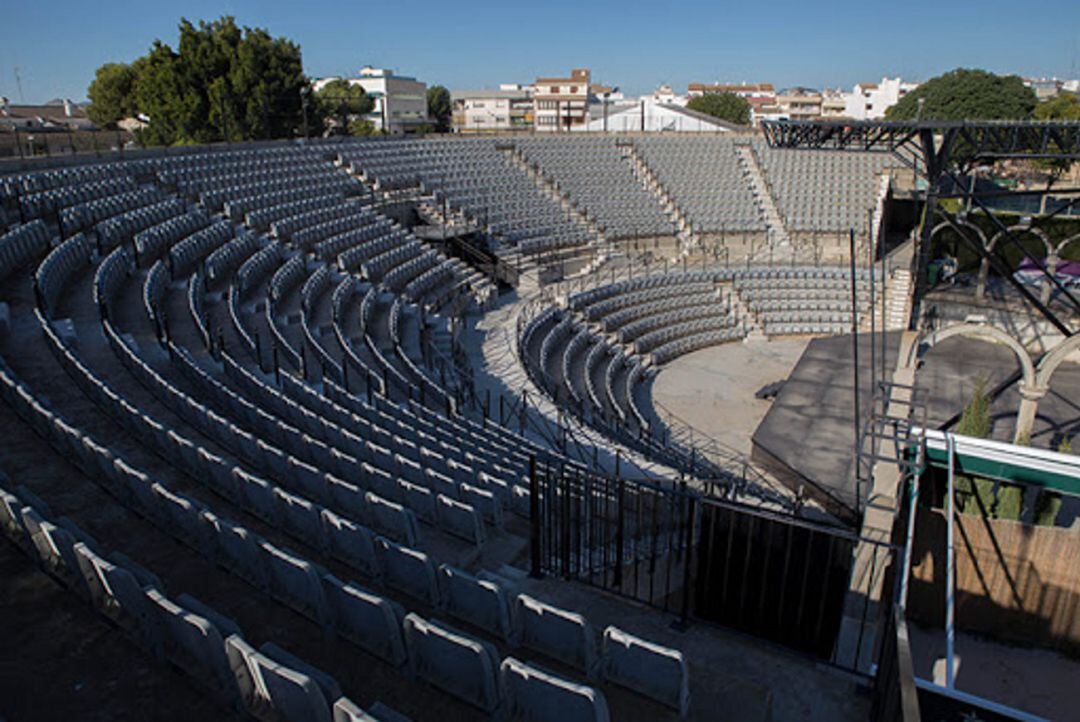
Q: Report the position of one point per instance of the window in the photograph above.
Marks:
(554, 89)
(573, 88)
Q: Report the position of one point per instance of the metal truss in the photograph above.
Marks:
(941, 151)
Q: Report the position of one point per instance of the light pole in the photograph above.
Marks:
(607, 95)
(305, 92)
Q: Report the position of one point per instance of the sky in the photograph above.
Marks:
(58, 44)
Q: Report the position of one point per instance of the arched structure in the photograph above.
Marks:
(1031, 391)
(1051, 255)
(1049, 363)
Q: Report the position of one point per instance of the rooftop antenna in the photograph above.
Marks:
(18, 84)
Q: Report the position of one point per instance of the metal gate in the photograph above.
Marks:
(761, 572)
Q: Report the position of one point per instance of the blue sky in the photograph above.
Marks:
(58, 44)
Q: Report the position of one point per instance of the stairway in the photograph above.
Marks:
(687, 238)
(775, 230)
(747, 318)
(549, 189)
(898, 299)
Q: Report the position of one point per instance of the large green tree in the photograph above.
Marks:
(1064, 106)
(725, 106)
(964, 94)
(222, 82)
(111, 94)
(439, 108)
(344, 104)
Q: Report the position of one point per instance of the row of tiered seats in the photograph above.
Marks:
(268, 683)
(806, 300)
(592, 173)
(821, 191)
(290, 589)
(703, 176)
(278, 568)
(473, 176)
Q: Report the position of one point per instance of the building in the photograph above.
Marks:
(508, 108)
(664, 94)
(799, 103)
(833, 104)
(651, 117)
(762, 91)
(400, 100)
(560, 104)
(869, 101)
(55, 115)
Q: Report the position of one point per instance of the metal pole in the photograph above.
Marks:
(534, 519)
(949, 563)
(855, 361)
(873, 297)
(884, 315)
(905, 573)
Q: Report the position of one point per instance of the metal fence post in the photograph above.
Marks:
(534, 520)
(684, 613)
(620, 496)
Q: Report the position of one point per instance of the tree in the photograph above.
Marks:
(1064, 106)
(361, 127)
(439, 108)
(111, 94)
(975, 494)
(964, 94)
(342, 103)
(725, 106)
(222, 82)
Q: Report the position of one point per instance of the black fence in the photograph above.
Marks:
(773, 577)
(665, 544)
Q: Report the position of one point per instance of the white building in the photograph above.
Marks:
(869, 101)
(477, 111)
(400, 101)
(561, 104)
(650, 117)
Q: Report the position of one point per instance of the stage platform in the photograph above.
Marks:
(807, 437)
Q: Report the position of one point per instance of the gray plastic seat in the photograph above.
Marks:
(646, 668)
(452, 661)
(531, 694)
(271, 690)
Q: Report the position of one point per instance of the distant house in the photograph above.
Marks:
(508, 108)
(400, 100)
(56, 116)
(561, 104)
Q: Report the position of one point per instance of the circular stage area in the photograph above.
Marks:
(713, 389)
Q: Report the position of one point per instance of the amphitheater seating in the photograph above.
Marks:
(821, 191)
(703, 176)
(605, 189)
(270, 683)
(534, 694)
(271, 689)
(21, 244)
(558, 633)
(453, 662)
(479, 602)
(238, 253)
(646, 668)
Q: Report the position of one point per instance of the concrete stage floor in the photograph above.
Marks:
(806, 434)
(713, 389)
